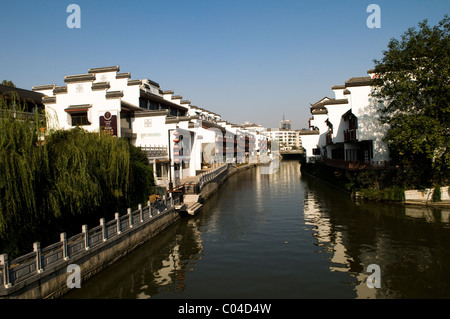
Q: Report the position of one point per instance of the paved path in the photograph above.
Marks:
(194, 179)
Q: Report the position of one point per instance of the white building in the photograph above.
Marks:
(287, 139)
(179, 138)
(348, 124)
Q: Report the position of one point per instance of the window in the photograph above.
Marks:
(80, 118)
(353, 123)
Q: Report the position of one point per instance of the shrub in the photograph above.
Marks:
(436, 197)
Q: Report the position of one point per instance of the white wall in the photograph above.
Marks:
(78, 94)
(151, 130)
(366, 110)
(310, 142)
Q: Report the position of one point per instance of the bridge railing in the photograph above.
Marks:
(155, 150)
(357, 165)
(39, 260)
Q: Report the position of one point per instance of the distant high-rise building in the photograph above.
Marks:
(285, 124)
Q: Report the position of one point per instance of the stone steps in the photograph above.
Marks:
(194, 208)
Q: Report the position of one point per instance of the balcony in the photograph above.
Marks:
(350, 135)
(20, 115)
(356, 165)
(154, 151)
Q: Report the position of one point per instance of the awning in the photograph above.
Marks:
(78, 108)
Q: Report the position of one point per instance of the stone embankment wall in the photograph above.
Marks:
(34, 276)
(424, 197)
(51, 281)
(212, 186)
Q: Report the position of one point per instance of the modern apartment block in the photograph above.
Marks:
(287, 139)
(179, 138)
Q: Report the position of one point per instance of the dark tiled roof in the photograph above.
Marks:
(123, 75)
(36, 97)
(79, 78)
(114, 94)
(320, 101)
(348, 114)
(105, 69)
(161, 100)
(358, 81)
(77, 108)
(335, 101)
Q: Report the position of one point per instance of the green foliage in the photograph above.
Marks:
(436, 197)
(387, 194)
(377, 185)
(74, 178)
(414, 84)
(87, 170)
(23, 167)
(8, 83)
(142, 178)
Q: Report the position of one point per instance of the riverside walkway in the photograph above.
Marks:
(193, 185)
(43, 273)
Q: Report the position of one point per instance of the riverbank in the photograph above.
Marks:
(214, 185)
(44, 272)
(284, 236)
(376, 186)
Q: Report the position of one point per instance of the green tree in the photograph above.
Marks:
(23, 170)
(73, 178)
(413, 83)
(8, 83)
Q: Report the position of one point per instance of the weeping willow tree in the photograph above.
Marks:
(74, 178)
(23, 167)
(87, 169)
(93, 175)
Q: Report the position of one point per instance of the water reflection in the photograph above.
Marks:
(286, 236)
(157, 268)
(408, 243)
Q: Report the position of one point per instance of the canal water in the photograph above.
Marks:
(284, 236)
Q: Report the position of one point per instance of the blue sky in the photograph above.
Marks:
(247, 60)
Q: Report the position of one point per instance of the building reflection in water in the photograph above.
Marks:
(331, 242)
(171, 273)
(157, 267)
(241, 237)
(357, 235)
